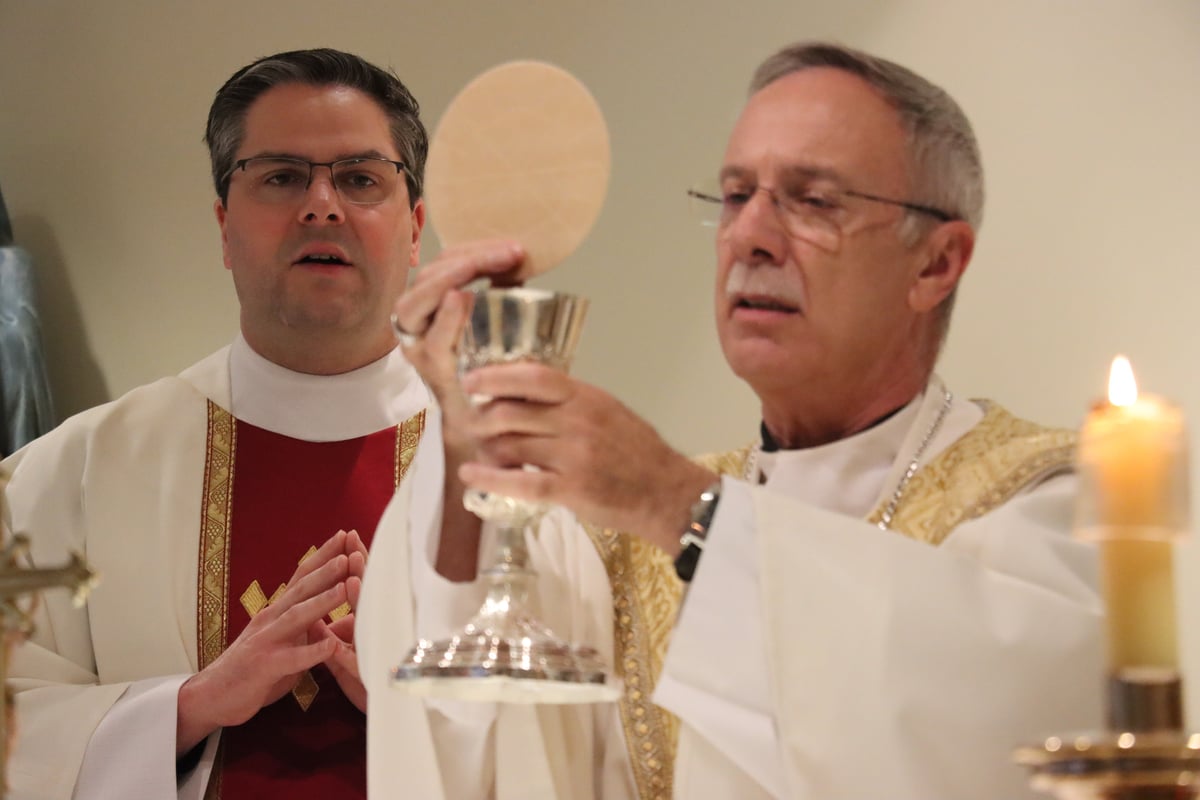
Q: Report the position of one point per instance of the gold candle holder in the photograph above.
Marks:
(1133, 501)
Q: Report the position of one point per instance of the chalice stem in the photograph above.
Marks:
(512, 554)
(510, 577)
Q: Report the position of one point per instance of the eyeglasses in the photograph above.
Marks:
(816, 215)
(363, 181)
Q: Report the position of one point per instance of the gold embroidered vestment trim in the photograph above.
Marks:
(214, 534)
(986, 467)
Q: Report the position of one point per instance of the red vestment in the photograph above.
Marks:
(288, 496)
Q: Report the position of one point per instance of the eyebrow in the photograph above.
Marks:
(372, 153)
(792, 172)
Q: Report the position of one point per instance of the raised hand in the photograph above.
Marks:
(434, 308)
(280, 642)
(592, 453)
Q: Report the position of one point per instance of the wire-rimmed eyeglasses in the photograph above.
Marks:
(815, 215)
(363, 180)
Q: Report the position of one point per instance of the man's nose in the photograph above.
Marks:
(322, 201)
(757, 233)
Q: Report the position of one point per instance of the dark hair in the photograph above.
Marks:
(322, 67)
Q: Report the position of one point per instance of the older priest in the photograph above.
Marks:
(882, 590)
(229, 509)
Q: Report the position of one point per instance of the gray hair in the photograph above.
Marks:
(322, 67)
(946, 166)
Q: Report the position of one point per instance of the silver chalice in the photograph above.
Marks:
(505, 653)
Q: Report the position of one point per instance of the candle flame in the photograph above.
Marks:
(1122, 388)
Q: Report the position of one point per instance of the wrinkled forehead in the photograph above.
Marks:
(825, 121)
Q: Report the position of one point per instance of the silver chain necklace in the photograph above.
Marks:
(751, 475)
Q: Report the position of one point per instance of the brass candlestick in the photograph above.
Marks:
(1144, 755)
(1133, 500)
(16, 622)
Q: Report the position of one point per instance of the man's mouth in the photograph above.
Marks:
(323, 259)
(761, 303)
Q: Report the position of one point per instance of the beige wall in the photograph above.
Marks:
(1088, 113)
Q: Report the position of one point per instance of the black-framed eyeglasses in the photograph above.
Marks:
(815, 215)
(362, 180)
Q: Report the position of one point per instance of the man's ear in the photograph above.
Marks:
(418, 222)
(220, 211)
(947, 252)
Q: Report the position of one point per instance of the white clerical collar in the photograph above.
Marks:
(844, 476)
(322, 408)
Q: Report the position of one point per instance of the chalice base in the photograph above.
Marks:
(505, 658)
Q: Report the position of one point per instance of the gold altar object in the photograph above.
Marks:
(1133, 501)
(16, 621)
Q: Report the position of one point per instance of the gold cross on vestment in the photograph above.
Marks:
(254, 600)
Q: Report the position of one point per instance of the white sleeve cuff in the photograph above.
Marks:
(132, 753)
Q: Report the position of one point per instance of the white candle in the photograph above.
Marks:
(1134, 467)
